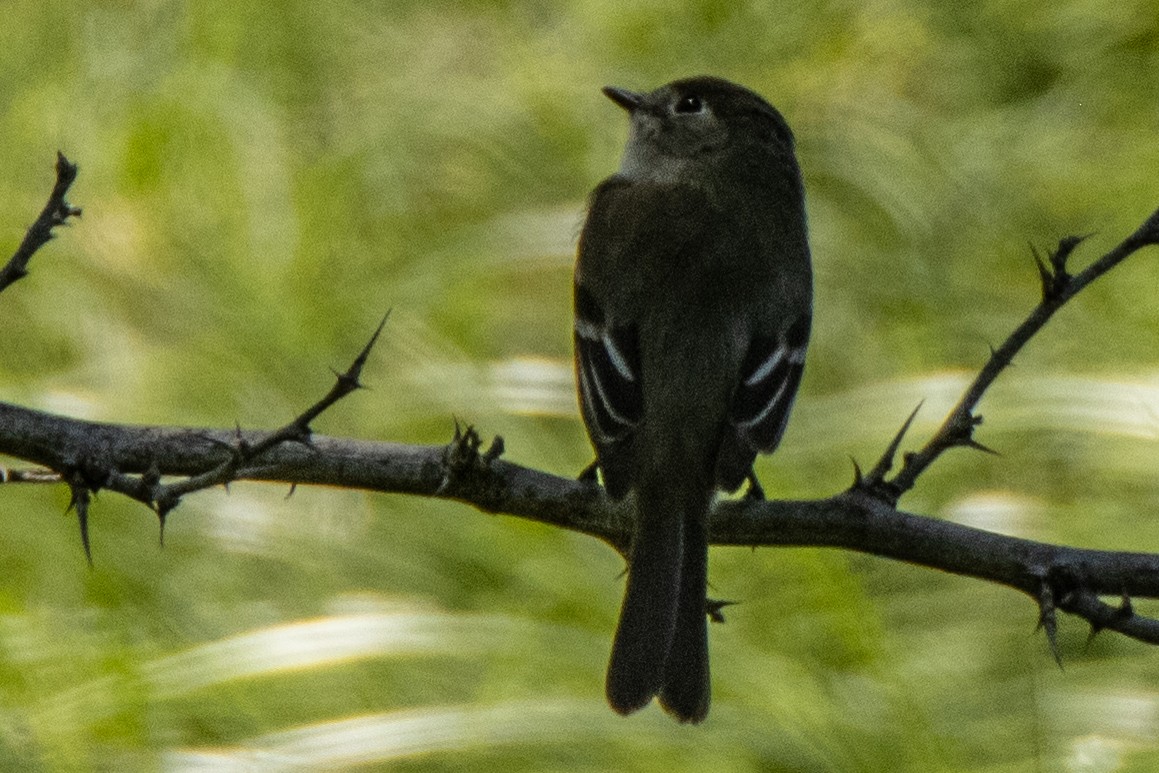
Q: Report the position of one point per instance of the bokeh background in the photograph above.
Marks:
(261, 181)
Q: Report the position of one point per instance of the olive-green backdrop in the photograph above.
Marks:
(261, 181)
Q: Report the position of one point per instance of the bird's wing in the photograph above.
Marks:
(769, 379)
(631, 233)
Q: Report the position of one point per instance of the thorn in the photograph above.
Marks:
(1125, 611)
(858, 478)
(961, 433)
(293, 488)
(494, 451)
(350, 380)
(1058, 258)
(1095, 630)
(80, 502)
(972, 443)
(462, 453)
(1148, 233)
(1055, 279)
(877, 474)
(163, 507)
(714, 609)
(1048, 620)
(1044, 275)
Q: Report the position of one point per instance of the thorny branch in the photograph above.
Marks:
(56, 212)
(135, 461)
(238, 452)
(1058, 287)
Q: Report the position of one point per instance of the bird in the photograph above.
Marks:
(693, 306)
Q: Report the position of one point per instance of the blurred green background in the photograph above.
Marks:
(262, 180)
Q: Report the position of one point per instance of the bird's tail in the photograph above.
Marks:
(661, 643)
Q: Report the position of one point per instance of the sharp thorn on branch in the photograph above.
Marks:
(885, 463)
(714, 608)
(961, 432)
(972, 443)
(1046, 279)
(1048, 619)
(858, 478)
(1062, 253)
(495, 450)
(1055, 277)
(163, 507)
(1095, 630)
(461, 454)
(1148, 233)
(299, 430)
(354, 372)
(79, 501)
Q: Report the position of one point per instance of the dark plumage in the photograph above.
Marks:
(693, 298)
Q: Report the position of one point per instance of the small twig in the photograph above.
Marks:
(34, 475)
(1058, 287)
(81, 498)
(875, 481)
(1048, 619)
(298, 430)
(162, 498)
(56, 212)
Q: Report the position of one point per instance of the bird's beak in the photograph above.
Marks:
(629, 100)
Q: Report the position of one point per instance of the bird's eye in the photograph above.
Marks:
(689, 104)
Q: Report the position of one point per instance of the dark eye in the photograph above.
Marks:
(689, 104)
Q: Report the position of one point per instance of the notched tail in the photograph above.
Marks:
(687, 688)
(647, 617)
(661, 643)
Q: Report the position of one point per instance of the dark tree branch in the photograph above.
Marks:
(56, 212)
(94, 472)
(853, 520)
(1058, 287)
(136, 462)
(8, 475)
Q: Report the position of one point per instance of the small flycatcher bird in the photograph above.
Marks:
(693, 302)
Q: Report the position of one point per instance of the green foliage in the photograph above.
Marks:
(261, 181)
